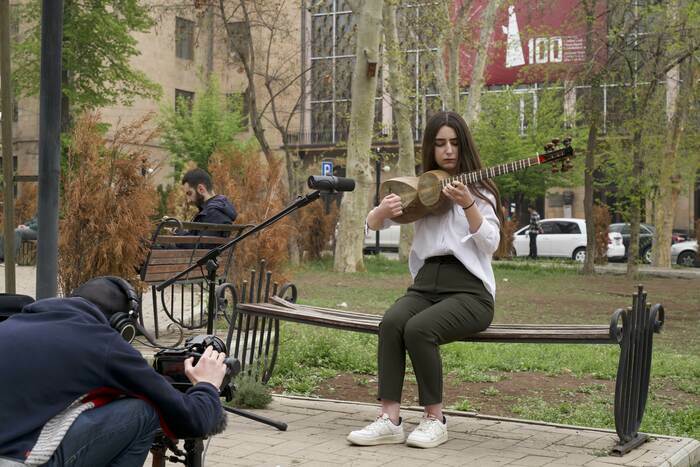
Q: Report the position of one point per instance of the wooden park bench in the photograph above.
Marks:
(254, 339)
(185, 301)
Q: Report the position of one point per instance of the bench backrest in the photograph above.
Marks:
(184, 302)
(171, 254)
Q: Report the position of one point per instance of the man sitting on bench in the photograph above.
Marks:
(213, 208)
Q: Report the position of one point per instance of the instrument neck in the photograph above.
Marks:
(469, 178)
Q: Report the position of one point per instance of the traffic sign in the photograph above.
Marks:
(327, 168)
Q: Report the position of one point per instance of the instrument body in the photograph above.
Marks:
(420, 196)
(423, 195)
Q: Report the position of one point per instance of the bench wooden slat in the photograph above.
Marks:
(181, 256)
(191, 239)
(353, 321)
(155, 278)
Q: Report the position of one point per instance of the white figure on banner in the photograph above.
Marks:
(514, 50)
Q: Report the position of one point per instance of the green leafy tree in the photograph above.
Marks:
(499, 139)
(193, 131)
(97, 48)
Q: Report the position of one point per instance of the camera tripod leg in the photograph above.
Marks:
(194, 449)
(258, 418)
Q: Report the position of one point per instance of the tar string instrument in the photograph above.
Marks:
(422, 195)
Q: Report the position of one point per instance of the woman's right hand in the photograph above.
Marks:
(390, 207)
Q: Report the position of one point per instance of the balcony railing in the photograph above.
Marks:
(329, 137)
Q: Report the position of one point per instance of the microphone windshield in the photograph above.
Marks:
(330, 183)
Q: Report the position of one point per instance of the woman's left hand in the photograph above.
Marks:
(459, 193)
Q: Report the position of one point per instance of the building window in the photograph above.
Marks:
(183, 101)
(239, 101)
(184, 38)
(239, 40)
(332, 47)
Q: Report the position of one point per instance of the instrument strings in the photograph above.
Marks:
(490, 172)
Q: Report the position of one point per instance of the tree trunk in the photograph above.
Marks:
(592, 109)
(471, 113)
(348, 250)
(635, 202)
(594, 117)
(678, 96)
(397, 86)
(454, 46)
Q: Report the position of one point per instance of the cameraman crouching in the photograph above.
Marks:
(75, 393)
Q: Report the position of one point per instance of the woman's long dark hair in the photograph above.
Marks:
(469, 159)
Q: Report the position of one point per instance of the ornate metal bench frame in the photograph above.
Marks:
(255, 334)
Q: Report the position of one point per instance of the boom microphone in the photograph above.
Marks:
(330, 183)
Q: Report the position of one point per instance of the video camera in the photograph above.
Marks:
(171, 363)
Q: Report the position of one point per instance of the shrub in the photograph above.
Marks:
(317, 228)
(25, 205)
(257, 189)
(250, 393)
(106, 204)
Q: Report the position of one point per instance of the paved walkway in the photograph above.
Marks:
(317, 431)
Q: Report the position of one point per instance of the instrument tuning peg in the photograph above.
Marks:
(548, 147)
(555, 169)
(555, 141)
(567, 141)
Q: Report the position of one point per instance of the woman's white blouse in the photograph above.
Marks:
(448, 234)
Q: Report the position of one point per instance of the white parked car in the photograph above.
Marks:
(388, 240)
(564, 238)
(684, 253)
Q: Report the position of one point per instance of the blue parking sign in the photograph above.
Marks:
(327, 168)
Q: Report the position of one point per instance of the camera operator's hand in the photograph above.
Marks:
(209, 369)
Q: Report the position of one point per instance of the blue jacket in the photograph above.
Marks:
(61, 350)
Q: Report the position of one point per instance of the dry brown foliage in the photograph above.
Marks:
(25, 205)
(257, 190)
(317, 228)
(601, 220)
(107, 203)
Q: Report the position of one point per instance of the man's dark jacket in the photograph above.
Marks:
(62, 350)
(216, 210)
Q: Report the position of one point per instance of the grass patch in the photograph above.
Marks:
(598, 412)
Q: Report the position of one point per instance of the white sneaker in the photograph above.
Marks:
(380, 431)
(430, 432)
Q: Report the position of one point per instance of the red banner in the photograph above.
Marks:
(533, 41)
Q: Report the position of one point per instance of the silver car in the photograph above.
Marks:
(685, 253)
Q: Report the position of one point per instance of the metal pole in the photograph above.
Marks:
(7, 159)
(49, 147)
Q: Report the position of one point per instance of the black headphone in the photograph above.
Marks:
(125, 323)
